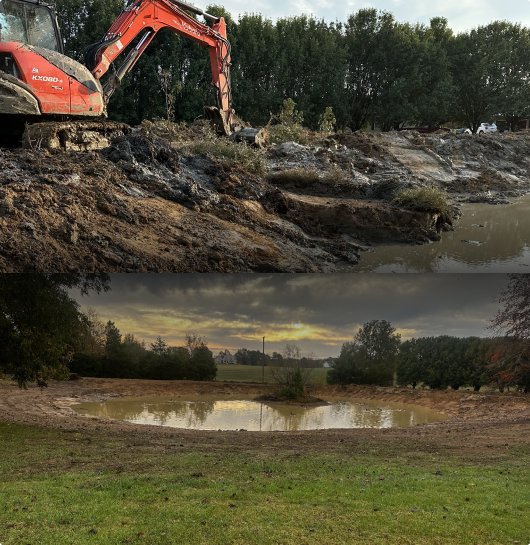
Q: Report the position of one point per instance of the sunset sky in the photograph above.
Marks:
(317, 312)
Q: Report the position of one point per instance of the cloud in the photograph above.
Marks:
(461, 14)
(235, 311)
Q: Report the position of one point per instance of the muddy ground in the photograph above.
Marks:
(480, 424)
(145, 204)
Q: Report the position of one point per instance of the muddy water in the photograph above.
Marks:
(499, 236)
(208, 413)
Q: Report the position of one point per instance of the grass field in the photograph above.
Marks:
(251, 373)
(61, 487)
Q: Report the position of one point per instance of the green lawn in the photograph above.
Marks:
(251, 373)
(59, 487)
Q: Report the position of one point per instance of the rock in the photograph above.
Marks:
(6, 206)
(253, 137)
(27, 226)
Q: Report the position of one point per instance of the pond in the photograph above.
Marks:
(241, 413)
(487, 238)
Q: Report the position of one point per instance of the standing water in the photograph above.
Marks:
(208, 413)
(497, 239)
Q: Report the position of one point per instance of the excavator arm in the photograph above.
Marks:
(150, 16)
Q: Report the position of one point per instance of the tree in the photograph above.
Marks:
(511, 326)
(38, 319)
(410, 364)
(201, 364)
(371, 358)
(159, 347)
(244, 356)
(289, 373)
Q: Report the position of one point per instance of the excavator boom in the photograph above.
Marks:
(150, 16)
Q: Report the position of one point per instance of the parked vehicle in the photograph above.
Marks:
(486, 128)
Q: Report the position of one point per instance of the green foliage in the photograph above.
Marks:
(289, 125)
(243, 356)
(327, 121)
(370, 359)
(428, 198)
(371, 68)
(40, 323)
(439, 362)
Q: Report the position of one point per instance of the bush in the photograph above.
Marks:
(430, 199)
(289, 125)
(327, 121)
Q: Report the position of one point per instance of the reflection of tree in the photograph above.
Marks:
(246, 415)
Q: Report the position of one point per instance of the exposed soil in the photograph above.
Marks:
(138, 205)
(481, 424)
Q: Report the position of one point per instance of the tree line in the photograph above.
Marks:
(370, 68)
(377, 356)
(102, 351)
(44, 334)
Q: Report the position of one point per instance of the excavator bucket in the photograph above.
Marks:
(219, 120)
(236, 131)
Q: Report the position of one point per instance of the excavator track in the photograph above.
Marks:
(73, 135)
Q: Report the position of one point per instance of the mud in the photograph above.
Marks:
(480, 424)
(139, 205)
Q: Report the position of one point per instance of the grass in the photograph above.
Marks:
(303, 177)
(60, 487)
(425, 199)
(230, 154)
(251, 373)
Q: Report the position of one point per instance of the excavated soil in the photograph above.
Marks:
(138, 205)
(480, 424)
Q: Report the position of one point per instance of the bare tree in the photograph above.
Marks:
(289, 372)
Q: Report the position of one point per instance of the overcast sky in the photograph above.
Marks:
(317, 312)
(462, 14)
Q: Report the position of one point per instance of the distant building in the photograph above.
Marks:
(329, 362)
(225, 357)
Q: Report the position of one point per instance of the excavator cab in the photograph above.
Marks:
(29, 23)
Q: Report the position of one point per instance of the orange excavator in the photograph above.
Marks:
(39, 83)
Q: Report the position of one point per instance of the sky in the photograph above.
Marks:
(316, 312)
(461, 14)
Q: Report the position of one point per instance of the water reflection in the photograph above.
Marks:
(503, 230)
(235, 414)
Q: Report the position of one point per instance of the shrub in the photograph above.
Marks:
(327, 121)
(289, 125)
(430, 199)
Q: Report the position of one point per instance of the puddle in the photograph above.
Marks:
(488, 238)
(207, 413)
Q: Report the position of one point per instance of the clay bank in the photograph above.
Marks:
(149, 202)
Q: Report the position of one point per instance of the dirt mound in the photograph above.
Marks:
(150, 203)
(364, 142)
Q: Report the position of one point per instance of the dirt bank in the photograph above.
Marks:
(481, 423)
(151, 204)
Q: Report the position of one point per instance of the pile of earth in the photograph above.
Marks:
(145, 204)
